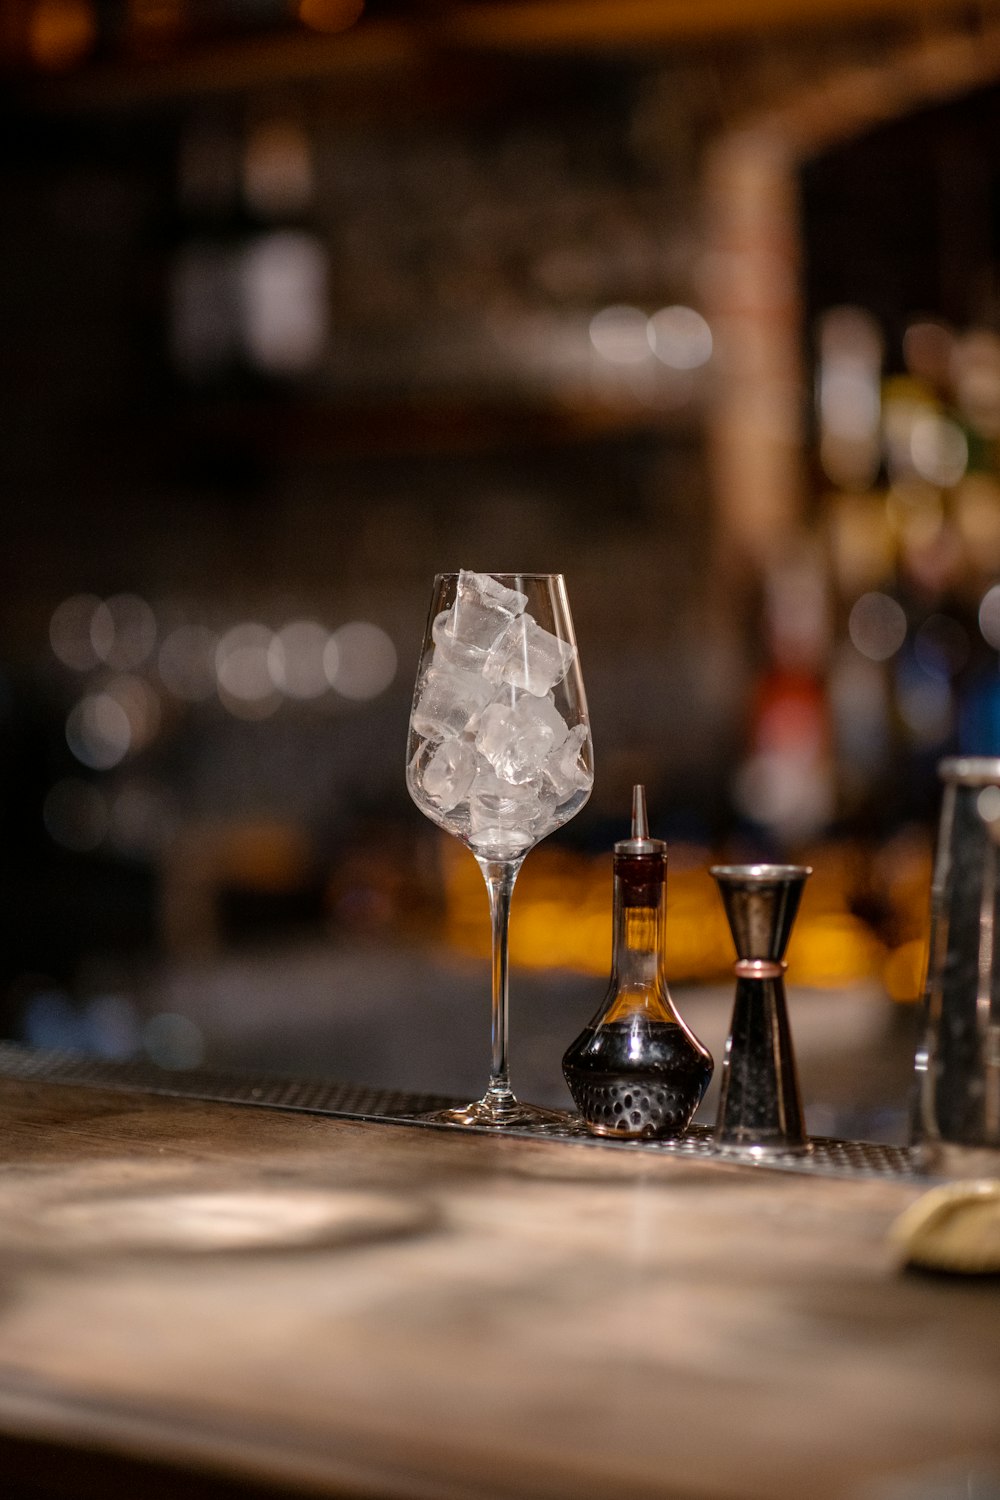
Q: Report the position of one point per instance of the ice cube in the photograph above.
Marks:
(448, 702)
(447, 773)
(505, 818)
(451, 652)
(564, 767)
(527, 657)
(517, 734)
(483, 608)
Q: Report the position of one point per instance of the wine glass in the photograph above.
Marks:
(500, 754)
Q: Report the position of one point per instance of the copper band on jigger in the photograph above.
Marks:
(758, 968)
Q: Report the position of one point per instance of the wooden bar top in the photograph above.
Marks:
(271, 1302)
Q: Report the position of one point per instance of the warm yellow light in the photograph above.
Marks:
(699, 946)
(561, 916)
(330, 15)
(903, 971)
(264, 856)
(833, 949)
(61, 32)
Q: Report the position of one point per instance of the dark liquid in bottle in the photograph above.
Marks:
(636, 1077)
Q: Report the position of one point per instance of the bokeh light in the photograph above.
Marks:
(928, 351)
(988, 804)
(939, 449)
(119, 632)
(989, 616)
(976, 371)
(133, 632)
(277, 168)
(903, 971)
(848, 392)
(905, 402)
(243, 671)
(619, 334)
(862, 543)
(296, 659)
(680, 337)
(61, 33)
(140, 705)
(877, 626)
(81, 632)
(111, 1026)
(283, 285)
(977, 516)
(330, 15)
(98, 731)
(785, 792)
(360, 660)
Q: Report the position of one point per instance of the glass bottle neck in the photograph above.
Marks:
(638, 981)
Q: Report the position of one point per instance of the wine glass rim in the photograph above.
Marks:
(509, 573)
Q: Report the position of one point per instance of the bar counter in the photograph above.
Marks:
(213, 1299)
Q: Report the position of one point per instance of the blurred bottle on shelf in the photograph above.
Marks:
(248, 280)
(785, 786)
(913, 538)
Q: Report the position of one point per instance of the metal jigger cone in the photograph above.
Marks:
(760, 1109)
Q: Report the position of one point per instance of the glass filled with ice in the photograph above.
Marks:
(500, 752)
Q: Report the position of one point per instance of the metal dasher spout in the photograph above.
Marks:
(639, 841)
(640, 822)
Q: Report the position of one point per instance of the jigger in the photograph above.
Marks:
(760, 1111)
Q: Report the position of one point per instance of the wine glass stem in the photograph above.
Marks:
(500, 876)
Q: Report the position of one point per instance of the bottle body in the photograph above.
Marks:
(637, 1071)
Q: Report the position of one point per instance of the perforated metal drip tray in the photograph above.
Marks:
(829, 1157)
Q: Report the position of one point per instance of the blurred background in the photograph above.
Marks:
(304, 302)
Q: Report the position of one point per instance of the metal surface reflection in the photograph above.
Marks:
(957, 1115)
(760, 1111)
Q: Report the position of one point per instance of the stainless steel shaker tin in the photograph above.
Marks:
(956, 1124)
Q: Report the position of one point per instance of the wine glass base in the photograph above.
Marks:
(509, 1115)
